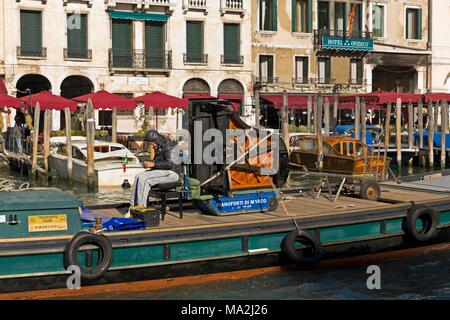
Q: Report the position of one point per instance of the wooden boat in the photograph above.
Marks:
(341, 155)
(113, 163)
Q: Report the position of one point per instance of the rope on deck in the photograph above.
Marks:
(9, 185)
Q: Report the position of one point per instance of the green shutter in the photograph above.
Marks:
(419, 24)
(305, 69)
(154, 45)
(122, 43)
(294, 16)
(270, 68)
(77, 36)
(274, 15)
(327, 70)
(231, 43)
(194, 41)
(310, 11)
(31, 33)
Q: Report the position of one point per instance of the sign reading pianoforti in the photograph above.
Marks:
(359, 44)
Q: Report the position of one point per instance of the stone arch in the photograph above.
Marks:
(34, 82)
(196, 86)
(76, 85)
(230, 86)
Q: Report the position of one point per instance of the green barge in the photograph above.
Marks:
(37, 226)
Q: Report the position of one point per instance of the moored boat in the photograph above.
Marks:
(113, 163)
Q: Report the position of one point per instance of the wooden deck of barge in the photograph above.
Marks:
(302, 207)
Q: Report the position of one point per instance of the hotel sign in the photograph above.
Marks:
(357, 44)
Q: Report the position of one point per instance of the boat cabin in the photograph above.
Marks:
(340, 155)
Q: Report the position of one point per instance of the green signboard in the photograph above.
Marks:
(336, 43)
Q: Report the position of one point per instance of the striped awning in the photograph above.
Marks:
(130, 15)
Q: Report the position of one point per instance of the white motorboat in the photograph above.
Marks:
(113, 163)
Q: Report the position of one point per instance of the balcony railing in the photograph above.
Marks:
(358, 81)
(195, 58)
(343, 40)
(301, 81)
(158, 2)
(195, 4)
(238, 60)
(78, 54)
(139, 60)
(31, 52)
(266, 80)
(231, 6)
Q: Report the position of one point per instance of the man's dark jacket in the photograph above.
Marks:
(166, 154)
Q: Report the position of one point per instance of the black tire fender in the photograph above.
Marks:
(85, 238)
(307, 257)
(430, 221)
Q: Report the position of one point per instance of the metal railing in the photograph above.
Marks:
(18, 145)
(31, 52)
(231, 60)
(140, 59)
(157, 2)
(195, 58)
(266, 80)
(77, 54)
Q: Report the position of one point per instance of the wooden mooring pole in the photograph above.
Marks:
(90, 135)
(114, 125)
(319, 132)
(431, 133)
(363, 121)
(326, 114)
(387, 134)
(335, 111)
(398, 131)
(257, 109)
(285, 119)
(315, 113)
(68, 120)
(420, 123)
(37, 113)
(46, 134)
(444, 115)
(357, 117)
(309, 111)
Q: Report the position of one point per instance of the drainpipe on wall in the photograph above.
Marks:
(430, 46)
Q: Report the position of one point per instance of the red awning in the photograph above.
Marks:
(161, 100)
(294, 101)
(436, 97)
(49, 101)
(381, 97)
(5, 99)
(230, 96)
(105, 100)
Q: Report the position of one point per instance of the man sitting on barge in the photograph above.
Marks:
(164, 168)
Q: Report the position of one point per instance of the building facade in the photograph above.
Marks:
(401, 60)
(440, 46)
(129, 47)
(298, 45)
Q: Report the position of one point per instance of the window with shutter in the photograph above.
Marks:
(77, 46)
(301, 69)
(155, 45)
(301, 10)
(413, 23)
(267, 15)
(323, 15)
(266, 69)
(122, 43)
(231, 43)
(340, 18)
(31, 33)
(194, 41)
(356, 71)
(324, 70)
